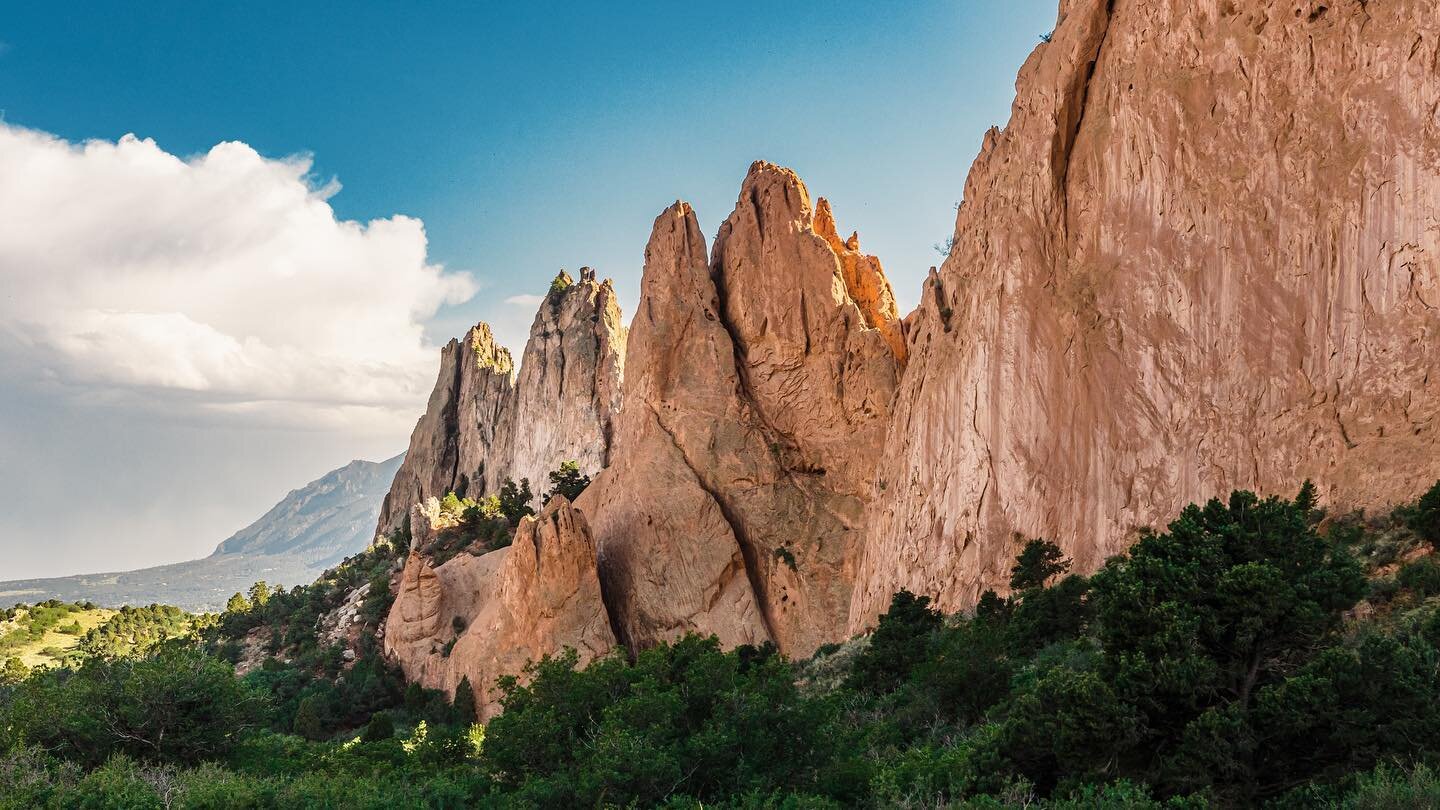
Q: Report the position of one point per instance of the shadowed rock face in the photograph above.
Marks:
(1201, 256)
(483, 425)
(760, 388)
(534, 598)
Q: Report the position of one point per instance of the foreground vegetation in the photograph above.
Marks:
(1255, 653)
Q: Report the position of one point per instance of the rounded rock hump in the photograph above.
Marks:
(483, 617)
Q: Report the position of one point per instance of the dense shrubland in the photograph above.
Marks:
(1255, 652)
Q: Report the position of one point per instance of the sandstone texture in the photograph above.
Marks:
(484, 617)
(484, 425)
(1201, 256)
(758, 394)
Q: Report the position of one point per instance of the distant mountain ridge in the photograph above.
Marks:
(309, 530)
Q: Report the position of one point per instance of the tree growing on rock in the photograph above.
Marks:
(567, 481)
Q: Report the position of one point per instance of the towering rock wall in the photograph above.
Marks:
(1202, 255)
(482, 425)
(759, 393)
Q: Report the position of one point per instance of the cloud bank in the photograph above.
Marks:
(220, 285)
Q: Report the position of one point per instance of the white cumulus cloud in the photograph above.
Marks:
(216, 285)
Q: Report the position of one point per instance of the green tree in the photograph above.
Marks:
(464, 702)
(1068, 724)
(237, 604)
(1308, 498)
(380, 728)
(1227, 601)
(559, 284)
(1424, 519)
(1421, 576)
(177, 705)
(1037, 563)
(1043, 616)
(259, 594)
(309, 719)
(13, 672)
(899, 643)
(515, 500)
(686, 719)
(567, 481)
(451, 504)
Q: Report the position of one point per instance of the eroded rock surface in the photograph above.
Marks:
(484, 617)
(758, 392)
(1201, 256)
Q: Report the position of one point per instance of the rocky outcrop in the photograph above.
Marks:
(484, 617)
(758, 395)
(570, 378)
(483, 426)
(464, 428)
(1202, 255)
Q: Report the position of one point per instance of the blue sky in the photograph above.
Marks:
(527, 137)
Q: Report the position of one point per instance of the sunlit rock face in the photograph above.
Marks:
(758, 390)
(1202, 255)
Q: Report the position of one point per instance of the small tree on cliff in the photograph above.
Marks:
(567, 481)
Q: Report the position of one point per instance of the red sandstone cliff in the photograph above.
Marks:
(1202, 255)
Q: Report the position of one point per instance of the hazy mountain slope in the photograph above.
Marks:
(309, 530)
